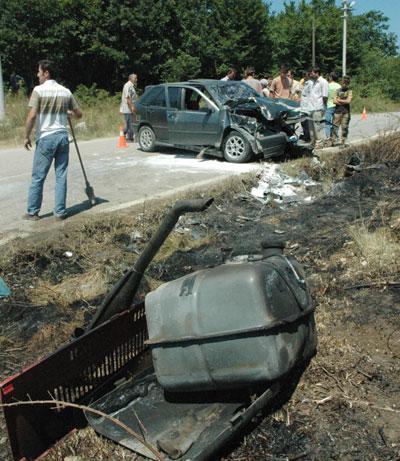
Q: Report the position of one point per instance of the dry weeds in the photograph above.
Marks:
(377, 253)
(50, 336)
(383, 150)
(350, 361)
(83, 287)
(94, 448)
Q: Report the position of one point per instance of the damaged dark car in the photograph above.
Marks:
(226, 119)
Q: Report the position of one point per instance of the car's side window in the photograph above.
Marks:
(157, 98)
(174, 96)
(191, 99)
(194, 101)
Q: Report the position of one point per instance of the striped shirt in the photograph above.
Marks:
(127, 92)
(52, 101)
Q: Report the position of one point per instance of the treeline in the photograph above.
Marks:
(101, 41)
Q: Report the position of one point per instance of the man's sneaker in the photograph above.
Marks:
(61, 217)
(31, 217)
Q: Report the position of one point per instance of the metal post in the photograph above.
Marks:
(345, 14)
(2, 110)
(313, 41)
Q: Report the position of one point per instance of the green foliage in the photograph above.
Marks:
(92, 95)
(379, 77)
(97, 43)
(181, 67)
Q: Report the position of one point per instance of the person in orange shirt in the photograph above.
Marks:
(281, 85)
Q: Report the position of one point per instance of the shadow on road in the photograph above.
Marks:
(84, 206)
(78, 207)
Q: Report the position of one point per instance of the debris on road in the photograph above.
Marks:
(351, 389)
(276, 186)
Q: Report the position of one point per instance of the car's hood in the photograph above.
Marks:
(270, 108)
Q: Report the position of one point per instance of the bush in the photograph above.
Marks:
(91, 95)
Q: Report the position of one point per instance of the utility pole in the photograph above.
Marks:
(2, 111)
(313, 42)
(346, 8)
(344, 50)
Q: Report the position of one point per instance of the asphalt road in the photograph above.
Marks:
(123, 177)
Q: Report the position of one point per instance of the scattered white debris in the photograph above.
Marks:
(68, 254)
(244, 259)
(136, 236)
(276, 186)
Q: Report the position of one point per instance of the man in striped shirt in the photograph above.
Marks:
(50, 105)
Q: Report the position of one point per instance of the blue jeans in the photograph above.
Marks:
(54, 146)
(128, 131)
(329, 120)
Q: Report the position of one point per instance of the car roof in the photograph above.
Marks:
(197, 81)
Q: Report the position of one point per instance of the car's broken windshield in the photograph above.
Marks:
(226, 91)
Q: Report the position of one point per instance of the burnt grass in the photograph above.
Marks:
(347, 403)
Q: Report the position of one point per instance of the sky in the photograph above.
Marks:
(388, 7)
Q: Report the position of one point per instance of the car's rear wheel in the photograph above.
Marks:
(236, 148)
(147, 138)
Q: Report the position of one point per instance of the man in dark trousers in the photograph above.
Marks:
(50, 105)
(127, 108)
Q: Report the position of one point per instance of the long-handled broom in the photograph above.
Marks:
(88, 189)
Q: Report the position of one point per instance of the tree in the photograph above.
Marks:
(102, 41)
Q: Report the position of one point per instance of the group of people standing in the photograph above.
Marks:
(326, 101)
(328, 104)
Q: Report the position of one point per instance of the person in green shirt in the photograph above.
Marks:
(333, 86)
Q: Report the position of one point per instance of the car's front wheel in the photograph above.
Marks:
(147, 138)
(236, 148)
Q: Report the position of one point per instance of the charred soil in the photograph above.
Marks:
(347, 403)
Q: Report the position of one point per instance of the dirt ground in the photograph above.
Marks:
(347, 404)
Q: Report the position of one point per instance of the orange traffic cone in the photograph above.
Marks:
(121, 140)
(364, 114)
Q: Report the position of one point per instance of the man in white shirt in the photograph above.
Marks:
(126, 108)
(314, 100)
(50, 106)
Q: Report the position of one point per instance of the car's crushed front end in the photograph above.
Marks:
(267, 124)
(269, 134)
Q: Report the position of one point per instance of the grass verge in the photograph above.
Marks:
(101, 118)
